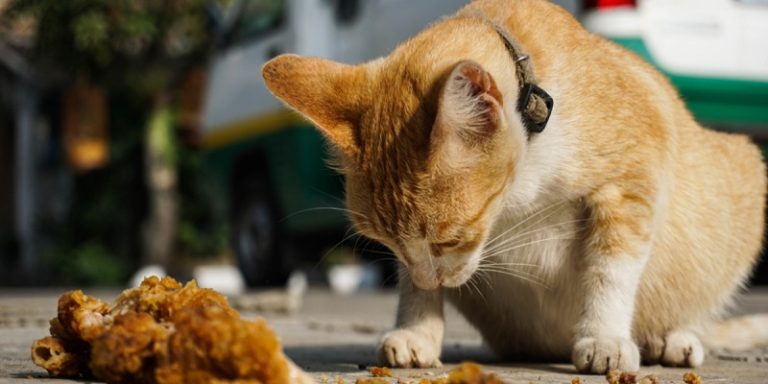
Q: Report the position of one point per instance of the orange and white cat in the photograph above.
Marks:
(618, 233)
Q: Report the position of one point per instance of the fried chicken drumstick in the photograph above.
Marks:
(165, 333)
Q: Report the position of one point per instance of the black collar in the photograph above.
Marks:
(534, 104)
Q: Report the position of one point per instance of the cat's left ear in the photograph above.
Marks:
(469, 112)
(325, 92)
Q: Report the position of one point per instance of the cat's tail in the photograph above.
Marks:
(737, 334)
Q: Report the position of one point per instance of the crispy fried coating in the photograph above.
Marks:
(161, 298)
(162, 333)
(128, 351)
(52, 354)
(80, 317)
(210, 343)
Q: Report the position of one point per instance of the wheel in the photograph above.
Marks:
(256, 239)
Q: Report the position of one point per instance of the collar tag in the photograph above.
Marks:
(535, 104)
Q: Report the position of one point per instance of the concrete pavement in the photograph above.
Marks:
(334, 336)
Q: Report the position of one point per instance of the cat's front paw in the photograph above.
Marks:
(602, 354)
(403, 348)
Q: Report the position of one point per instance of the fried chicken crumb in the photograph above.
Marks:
(471, 373)
(692, 378)
(628, 378)
(381, 372)
(650, 379)
(612, 377)
(616, 376)
(374, 380)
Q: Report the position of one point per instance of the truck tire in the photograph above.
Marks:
(256, 234)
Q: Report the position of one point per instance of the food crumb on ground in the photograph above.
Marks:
(374, 380)
(692, 378)
(381, 372)
(612, 377)
(616, 376)
(471, 373)
(650, 379)
(628, 378)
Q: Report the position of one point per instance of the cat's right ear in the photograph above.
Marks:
(325, 92)
(469, 115)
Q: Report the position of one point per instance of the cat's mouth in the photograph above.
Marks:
(459, 277)
(429, 277)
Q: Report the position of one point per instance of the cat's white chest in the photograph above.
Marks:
(526, 295)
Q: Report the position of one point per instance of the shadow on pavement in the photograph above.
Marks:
(338, 358)
(356, 357)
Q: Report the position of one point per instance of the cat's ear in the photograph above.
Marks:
(469, 113)
(325, 92)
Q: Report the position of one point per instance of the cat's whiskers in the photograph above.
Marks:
(483, 275)
(354, 246)
(477, 289)
(513, 244)
(517, 274)
(328, 252)
(532, 242)
(510, 265)
(552, 207)
(514, 269)
(517, 236)
(383, 253)
(315, 209)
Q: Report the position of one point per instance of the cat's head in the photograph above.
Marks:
(428, 139)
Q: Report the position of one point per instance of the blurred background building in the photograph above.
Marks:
(140, 133)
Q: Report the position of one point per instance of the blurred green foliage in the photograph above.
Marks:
(202, 227)
(140, 51)
(141, 44)
(105, 209)
(89, 263)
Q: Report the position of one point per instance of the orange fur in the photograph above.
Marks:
(664, 218)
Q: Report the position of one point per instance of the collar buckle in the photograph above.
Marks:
(535, 105)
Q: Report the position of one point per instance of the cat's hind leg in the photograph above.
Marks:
(678, 348)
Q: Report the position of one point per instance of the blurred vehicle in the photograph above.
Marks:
(714, 51)
(284, 204)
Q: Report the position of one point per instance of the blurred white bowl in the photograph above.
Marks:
(345, 279)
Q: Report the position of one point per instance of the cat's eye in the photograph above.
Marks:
(448, 244)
